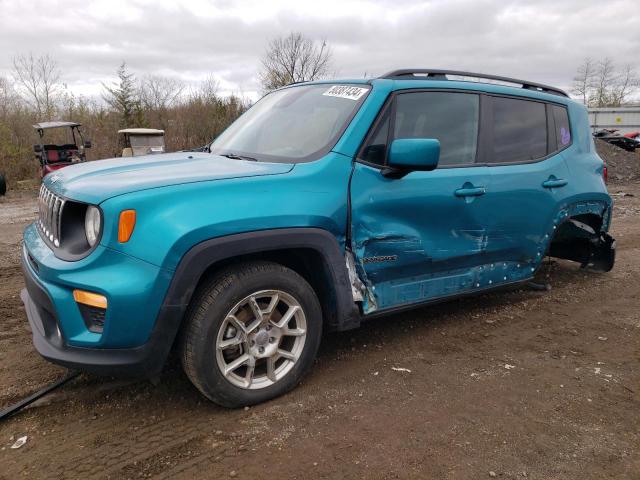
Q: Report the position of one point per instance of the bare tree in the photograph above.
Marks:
(39, 79)
(294, 58)
(583, 81)
(8, 98)
(603, 79)
(159, 93)
(602, 84)
(626, 82)
(209, 89)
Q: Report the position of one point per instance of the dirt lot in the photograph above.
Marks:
(519, 384)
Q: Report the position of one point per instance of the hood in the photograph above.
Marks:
(94, 182)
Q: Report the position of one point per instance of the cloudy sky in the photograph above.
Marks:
(539, 40)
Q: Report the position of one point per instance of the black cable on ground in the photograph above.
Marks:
(7, 412)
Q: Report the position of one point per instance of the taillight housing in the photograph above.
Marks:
(605, 173)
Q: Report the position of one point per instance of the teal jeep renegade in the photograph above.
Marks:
(325, 204)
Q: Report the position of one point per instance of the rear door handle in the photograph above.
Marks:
(470, 192)
(554, 183)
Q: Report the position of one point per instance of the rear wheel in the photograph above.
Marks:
(251, 334)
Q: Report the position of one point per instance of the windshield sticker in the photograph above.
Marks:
(345, 91)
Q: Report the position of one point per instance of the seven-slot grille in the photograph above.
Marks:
(50, 214)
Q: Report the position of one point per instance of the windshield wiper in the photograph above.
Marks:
(235, 156)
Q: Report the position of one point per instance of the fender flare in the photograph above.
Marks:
(206, 254)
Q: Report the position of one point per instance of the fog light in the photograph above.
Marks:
(93, 308)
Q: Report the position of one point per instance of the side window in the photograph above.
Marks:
(450, 117)
(519, 130)
(563, 130)
(375, 150)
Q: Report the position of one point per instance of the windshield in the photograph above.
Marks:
(295, 124)
(59, 136)
(146, 141)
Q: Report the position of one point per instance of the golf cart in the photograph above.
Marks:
(69, 149)
(140, 141)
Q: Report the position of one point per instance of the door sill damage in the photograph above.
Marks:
(359, 290)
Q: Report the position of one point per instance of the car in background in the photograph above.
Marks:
(634, 136)
(612, 136)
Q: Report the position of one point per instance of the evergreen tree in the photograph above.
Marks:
(123, 97)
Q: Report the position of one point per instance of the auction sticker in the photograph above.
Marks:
(346, 91)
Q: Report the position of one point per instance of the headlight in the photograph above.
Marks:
(92, 223)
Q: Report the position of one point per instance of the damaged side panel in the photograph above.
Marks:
(582, 236)
(412, 243)
(413, 239)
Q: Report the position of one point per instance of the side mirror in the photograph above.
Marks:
(87, 144)
(37, 148)
(412, 154)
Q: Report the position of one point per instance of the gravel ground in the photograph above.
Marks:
(624, 167)
(517, 384)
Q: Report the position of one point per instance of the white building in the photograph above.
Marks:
(624, 119)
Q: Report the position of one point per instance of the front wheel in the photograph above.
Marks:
(251, 334)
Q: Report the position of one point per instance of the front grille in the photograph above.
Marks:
(50, 208)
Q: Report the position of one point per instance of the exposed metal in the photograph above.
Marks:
(261, 339)
(357, 287)
(436, 74)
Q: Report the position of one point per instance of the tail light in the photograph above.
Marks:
(605, 173)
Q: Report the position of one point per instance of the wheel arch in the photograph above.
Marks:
(314, 253)
(581, 236)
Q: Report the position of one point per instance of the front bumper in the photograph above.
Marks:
(146, 360)
(139, 330)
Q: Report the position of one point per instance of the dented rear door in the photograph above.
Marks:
(529, 182)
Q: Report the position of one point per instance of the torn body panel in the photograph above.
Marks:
(582, 236)
(410, 255)
(413, 238)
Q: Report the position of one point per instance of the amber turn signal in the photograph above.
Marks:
(126, 225)
(91, 299)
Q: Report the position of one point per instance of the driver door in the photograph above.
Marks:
(422, 236)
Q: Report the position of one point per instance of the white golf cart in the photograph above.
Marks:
(140, 141)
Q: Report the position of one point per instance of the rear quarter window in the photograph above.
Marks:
(563, 129)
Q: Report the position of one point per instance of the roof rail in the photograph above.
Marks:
(434, 74)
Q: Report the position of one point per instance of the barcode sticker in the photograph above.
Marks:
(346, 91)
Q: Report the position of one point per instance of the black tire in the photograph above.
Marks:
(209, 307)
(3, 185)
